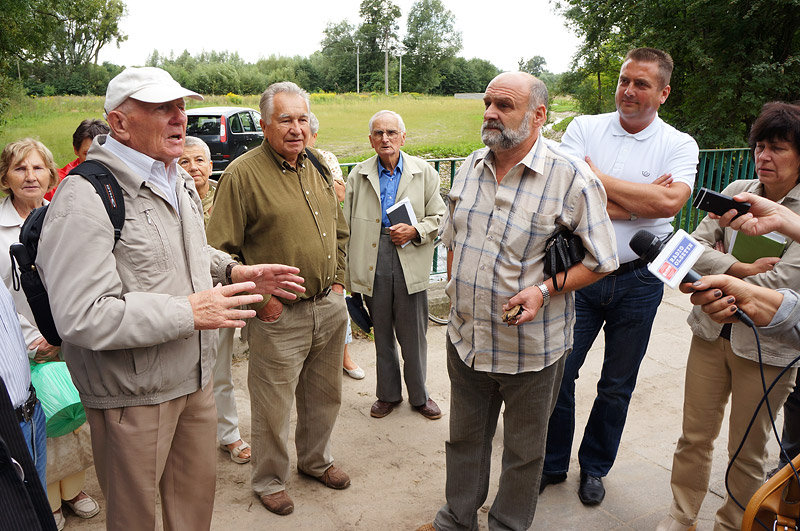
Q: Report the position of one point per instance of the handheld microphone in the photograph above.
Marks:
(671, 259)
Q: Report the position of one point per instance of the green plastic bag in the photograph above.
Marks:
(60, 400)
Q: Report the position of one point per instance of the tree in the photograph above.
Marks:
(82, 29)
(25, 25)
(730, 56)
(377, 35)
(535, 66)
(430, 41)
(338, 70)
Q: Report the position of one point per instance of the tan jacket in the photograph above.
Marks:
(124, 316)
(362, 209)
(785, 274)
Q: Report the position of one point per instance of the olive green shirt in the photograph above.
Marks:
(267, 212)
(208, 202)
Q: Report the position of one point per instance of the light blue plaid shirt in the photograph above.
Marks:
(497, 233)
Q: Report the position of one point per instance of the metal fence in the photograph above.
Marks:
(716, 169)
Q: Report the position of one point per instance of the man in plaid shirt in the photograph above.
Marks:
(505, 202)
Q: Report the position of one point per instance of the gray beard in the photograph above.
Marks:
(503, 137)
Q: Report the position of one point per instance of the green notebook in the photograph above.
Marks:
(748, 249)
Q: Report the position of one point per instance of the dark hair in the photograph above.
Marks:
(777, 121)
(89, 128)
(654, 55)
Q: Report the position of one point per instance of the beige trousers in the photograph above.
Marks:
(299, 356)
(713, 373)
(66, 489)
(168, 448)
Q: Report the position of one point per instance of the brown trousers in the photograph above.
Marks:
(168, 448)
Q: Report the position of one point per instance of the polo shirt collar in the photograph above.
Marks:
(647, 132)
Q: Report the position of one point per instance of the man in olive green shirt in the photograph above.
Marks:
(273, 205)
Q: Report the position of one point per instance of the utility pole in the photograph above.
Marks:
(358, 69)
(386, 71)
(400, 76)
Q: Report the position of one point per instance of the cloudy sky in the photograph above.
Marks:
(501, 31)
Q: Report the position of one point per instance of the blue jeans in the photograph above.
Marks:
(35, 434)
(627, 304)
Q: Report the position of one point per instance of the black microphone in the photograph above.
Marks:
(648, 246)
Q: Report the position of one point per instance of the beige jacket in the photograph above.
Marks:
(785, 274)
(362, 210)
(123, 314)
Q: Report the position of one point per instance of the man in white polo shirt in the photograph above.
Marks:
(647, 168)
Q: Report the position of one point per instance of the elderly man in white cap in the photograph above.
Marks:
(138, 316)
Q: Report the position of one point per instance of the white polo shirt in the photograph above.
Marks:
(640, 158)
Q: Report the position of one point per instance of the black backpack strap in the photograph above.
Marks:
(318, 165)
(107, 187)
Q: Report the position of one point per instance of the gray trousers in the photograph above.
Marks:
(396, 313)
(475, 402)
(227, 418)
(299, 356)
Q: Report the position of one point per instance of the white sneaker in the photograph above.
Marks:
(58, 516)
(85, 508)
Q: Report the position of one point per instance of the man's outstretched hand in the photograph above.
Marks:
(270, 279)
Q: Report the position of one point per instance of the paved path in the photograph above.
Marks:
(397, 463)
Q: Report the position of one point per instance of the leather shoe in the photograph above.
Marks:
(334, 478)
(591, 490)
(429, 410)
(551, 479)
(278, 503)
(380, 408)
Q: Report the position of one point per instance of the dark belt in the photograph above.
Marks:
(627, 267)
(321, 295)
(385, 230)
(25, 411)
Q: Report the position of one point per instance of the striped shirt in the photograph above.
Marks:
(14, 366)
(497, 233)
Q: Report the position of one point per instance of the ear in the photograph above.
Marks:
(118, 122)
(665, 94)
(539, 116)
(402, 139)
(262, 124)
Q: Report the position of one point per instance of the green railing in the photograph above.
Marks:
(716, 169)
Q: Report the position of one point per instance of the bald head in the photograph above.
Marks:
(523, 85)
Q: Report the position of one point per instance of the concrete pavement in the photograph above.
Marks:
(397, 464)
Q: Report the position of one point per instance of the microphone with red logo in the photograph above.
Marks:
(671, 259)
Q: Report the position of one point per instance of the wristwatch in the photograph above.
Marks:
(545, 294)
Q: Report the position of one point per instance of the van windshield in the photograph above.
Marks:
(203, 125)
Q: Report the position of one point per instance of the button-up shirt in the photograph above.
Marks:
(163, 177)
(497, 232)
(268, 212)
(389, 182)
(14, 368)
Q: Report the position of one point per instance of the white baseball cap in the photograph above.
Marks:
(147, 84)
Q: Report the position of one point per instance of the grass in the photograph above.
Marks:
(436, 126)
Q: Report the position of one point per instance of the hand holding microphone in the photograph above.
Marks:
(671, 261)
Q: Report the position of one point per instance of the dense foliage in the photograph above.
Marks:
(731, 56)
